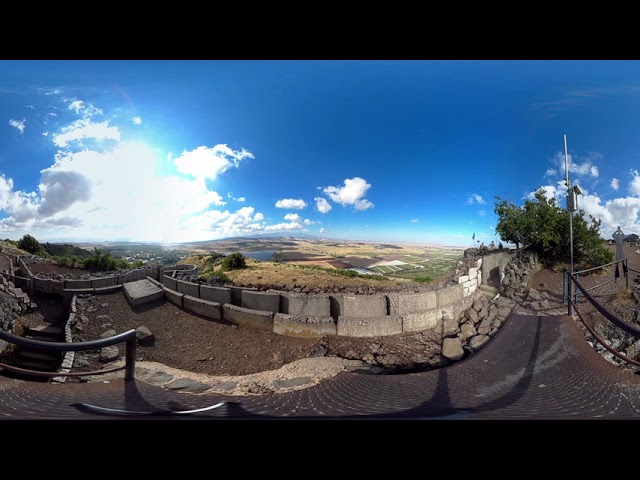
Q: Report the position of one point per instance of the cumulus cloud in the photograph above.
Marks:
(136, 120)
(351, 193)
(307, 221)
(86, 129)
(551, 172)
(291, 203)
(18, 124)
(208, 162)
(60, 190)
(634, 185)
(615, 183)
(322, 230)
(482, 213)
(283, 226)
(414, 220)
(322, 205)
(475, 198)
(293, 217)
(583, 166)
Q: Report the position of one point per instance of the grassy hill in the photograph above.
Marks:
(65, 250)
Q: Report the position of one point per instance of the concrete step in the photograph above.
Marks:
(40, 355)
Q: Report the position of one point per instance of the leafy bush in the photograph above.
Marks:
(30, 244)
(219, 277)
(234, 261)
(102, 261)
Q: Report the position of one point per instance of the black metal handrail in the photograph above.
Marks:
(627, 327)
(128, 337)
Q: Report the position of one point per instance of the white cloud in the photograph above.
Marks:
(586, 168)
(307, 221)
(18, 124)
(634, 185)
(237, 199)
(293, 217)
(351, 193)
(76, 105)
(291, 203)
(209, 162)
(482, 213)
(86, 129)
(283, 226)
(551, 172)
(322, 230)
(474, 197)
(322, 205)
(87, 110)
(414, 220)
(615, 183)
(136, 120)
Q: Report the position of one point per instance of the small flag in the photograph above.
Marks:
(474, 235)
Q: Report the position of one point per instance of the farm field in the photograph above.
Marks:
(396, 262)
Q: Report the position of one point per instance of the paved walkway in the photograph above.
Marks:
(536, 367)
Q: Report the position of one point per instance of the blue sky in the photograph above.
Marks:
(173, 151)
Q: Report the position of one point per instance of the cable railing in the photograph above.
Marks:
(128, 337)
(618, 322)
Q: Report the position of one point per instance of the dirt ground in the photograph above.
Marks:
(188, 342)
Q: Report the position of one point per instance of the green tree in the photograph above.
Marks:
(234, 261)
(30, 244)
(543, 226)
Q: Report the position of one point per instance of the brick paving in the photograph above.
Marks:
(536, 367)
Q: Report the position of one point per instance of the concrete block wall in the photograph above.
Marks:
(202, 307)
(262, 320)
(219, 295)
(303, 326)
(188, 288)
(265, 301)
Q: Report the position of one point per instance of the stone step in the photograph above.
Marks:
(488, 290)
(37, 365)
(50, 333)
(40, 355)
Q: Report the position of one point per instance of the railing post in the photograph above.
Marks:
(569, 297)
(564, 285)
(576, 290)
(130, 359)
(626, 272)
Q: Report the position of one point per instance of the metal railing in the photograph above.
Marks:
(128, 337)
(567, 291)
(572, 305)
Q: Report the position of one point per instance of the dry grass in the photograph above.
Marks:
(268, 273)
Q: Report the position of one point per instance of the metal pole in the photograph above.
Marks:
(130, 359)
(569, 206)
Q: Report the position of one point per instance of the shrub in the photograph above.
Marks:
(234, 261)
